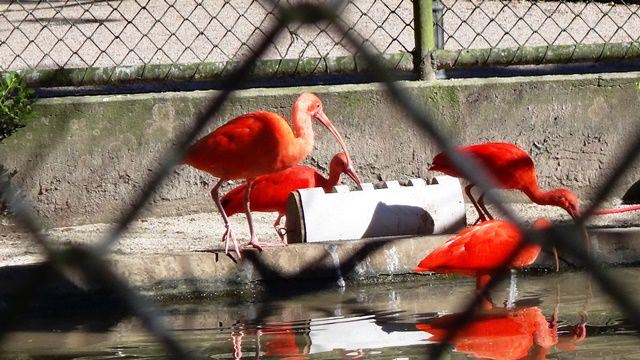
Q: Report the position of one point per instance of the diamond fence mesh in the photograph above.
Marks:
(533, 32)
(505, 24)
(91, 263)
(79, 34)
(49, 35)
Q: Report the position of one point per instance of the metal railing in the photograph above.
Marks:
(74, 42)
(91, 261)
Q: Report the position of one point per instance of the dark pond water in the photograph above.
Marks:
(552, 315)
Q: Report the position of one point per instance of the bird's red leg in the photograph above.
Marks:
(484, 208)
(281, 231)
(247, 209)
(467, 190)
(228, 234)
(247, 206)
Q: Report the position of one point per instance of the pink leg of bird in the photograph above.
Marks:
(236, 340)
(280, 230)
(228, 234)
(467, 190)
(247, 208)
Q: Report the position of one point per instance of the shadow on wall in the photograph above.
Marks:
(632, 196)
(393, 220)
(91, 308)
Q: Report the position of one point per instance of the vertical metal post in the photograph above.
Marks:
(424, 38)
(438, 24)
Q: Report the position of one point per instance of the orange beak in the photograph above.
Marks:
(324, 120)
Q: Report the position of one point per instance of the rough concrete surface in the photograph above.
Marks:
(173, 256)
(200, 234)
(85, 158)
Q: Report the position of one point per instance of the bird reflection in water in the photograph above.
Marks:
(503, 333)
(517, 330)
(273, 340)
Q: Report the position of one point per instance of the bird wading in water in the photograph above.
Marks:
(481, 249)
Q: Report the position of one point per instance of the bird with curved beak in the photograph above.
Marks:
(270, 192)
(258, 144)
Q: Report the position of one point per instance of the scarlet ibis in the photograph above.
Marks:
(270, 192)
(499, 333)
(480, 249)
(513, 169)
(257, 144)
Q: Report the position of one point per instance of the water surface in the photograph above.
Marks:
(550, 315)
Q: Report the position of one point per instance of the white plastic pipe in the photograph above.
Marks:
(417, 209)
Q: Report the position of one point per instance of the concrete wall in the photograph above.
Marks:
(85, 158)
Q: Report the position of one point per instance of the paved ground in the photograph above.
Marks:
(192, 233)
(68, 33)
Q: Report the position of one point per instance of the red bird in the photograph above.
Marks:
(257, 144)
(513, 169)
(499, 333)
(479, 250)
(270, 192)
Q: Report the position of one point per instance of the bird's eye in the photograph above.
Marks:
(318, 106)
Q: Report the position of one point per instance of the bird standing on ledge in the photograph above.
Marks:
(258, 144)
(270, 192)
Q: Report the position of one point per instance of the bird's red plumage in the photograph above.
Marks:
(479, 249)
(512, 166)
(270, 192)
(258, 144)
(498, 334)
(246, 147)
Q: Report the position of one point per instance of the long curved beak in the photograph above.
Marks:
(350, 171)
(324, 120)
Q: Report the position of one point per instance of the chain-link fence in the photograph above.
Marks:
(558, 31)
(98, 34)
(187, 39)
(91, 263)
(76, 34)
(504, 24)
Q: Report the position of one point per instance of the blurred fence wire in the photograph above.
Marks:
(71, 42)
(91, 263)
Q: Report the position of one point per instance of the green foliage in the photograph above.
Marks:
(15, 104)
